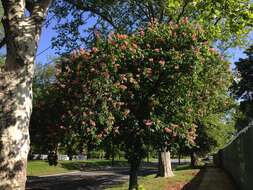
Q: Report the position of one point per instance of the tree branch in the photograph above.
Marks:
(183, 10)
(40, 9)
(44, 4)
(95, 10)
(13, 8)
(152, 12)
(29, 5)
(216, 22)
(3, 42)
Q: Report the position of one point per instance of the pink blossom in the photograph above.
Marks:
(93, 123)
(123, 87)
(157, 50)
(194, 37)
(168, 130)
(94, 49)
(162, 62)
(185, 20)
(142, 33)
(151, 60)
(148, 122)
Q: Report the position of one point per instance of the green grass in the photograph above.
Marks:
(183, 175)
(39, 168)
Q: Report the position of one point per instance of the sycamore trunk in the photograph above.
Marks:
(22, 22)
(15, 112)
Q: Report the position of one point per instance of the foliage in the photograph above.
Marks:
(228, 22)
(213, 133)
(149, 88)
(87, 113)
(243, 87)
(45, 128)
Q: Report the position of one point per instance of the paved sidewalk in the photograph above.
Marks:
(215, 179)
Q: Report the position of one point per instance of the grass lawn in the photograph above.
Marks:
(183, 175)
(39, 167)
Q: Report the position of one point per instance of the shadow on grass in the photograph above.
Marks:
(187, 167)
(92, 165)
(91, 179)
(74, 182)
(195, 182)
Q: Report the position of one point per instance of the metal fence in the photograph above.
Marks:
(237, 158)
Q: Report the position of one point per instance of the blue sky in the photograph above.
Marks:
(48, 33)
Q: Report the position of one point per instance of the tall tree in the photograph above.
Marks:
(243, 87)
(22, 32)
(45, 126)
(151, 82)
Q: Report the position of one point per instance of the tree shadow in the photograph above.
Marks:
(187, 167)
(195, 182)
(73, 182)
(91, 166)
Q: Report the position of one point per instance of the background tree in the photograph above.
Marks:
(243, 88)
(45, 129)
(227, 22)
(215, 133)
(21, 35)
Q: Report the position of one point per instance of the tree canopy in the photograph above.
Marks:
(227, 22)
(149, 88)
(243, 87)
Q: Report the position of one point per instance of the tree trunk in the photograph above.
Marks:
(21, 37)
(113, 154)
(165, 169)
(89, 151)
(179, 158)
(148, 156)
(133, 180)
(194, 159)
(70, 157)
(16, 106)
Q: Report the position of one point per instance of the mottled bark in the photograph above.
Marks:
(22, 35)
(165, 169)
(16, 106)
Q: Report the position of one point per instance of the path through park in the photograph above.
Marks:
(215, 179)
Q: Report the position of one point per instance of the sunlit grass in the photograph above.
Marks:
(183, 175)
(39, 167)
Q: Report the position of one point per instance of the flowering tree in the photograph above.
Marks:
(83, 88)
(148, 86)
